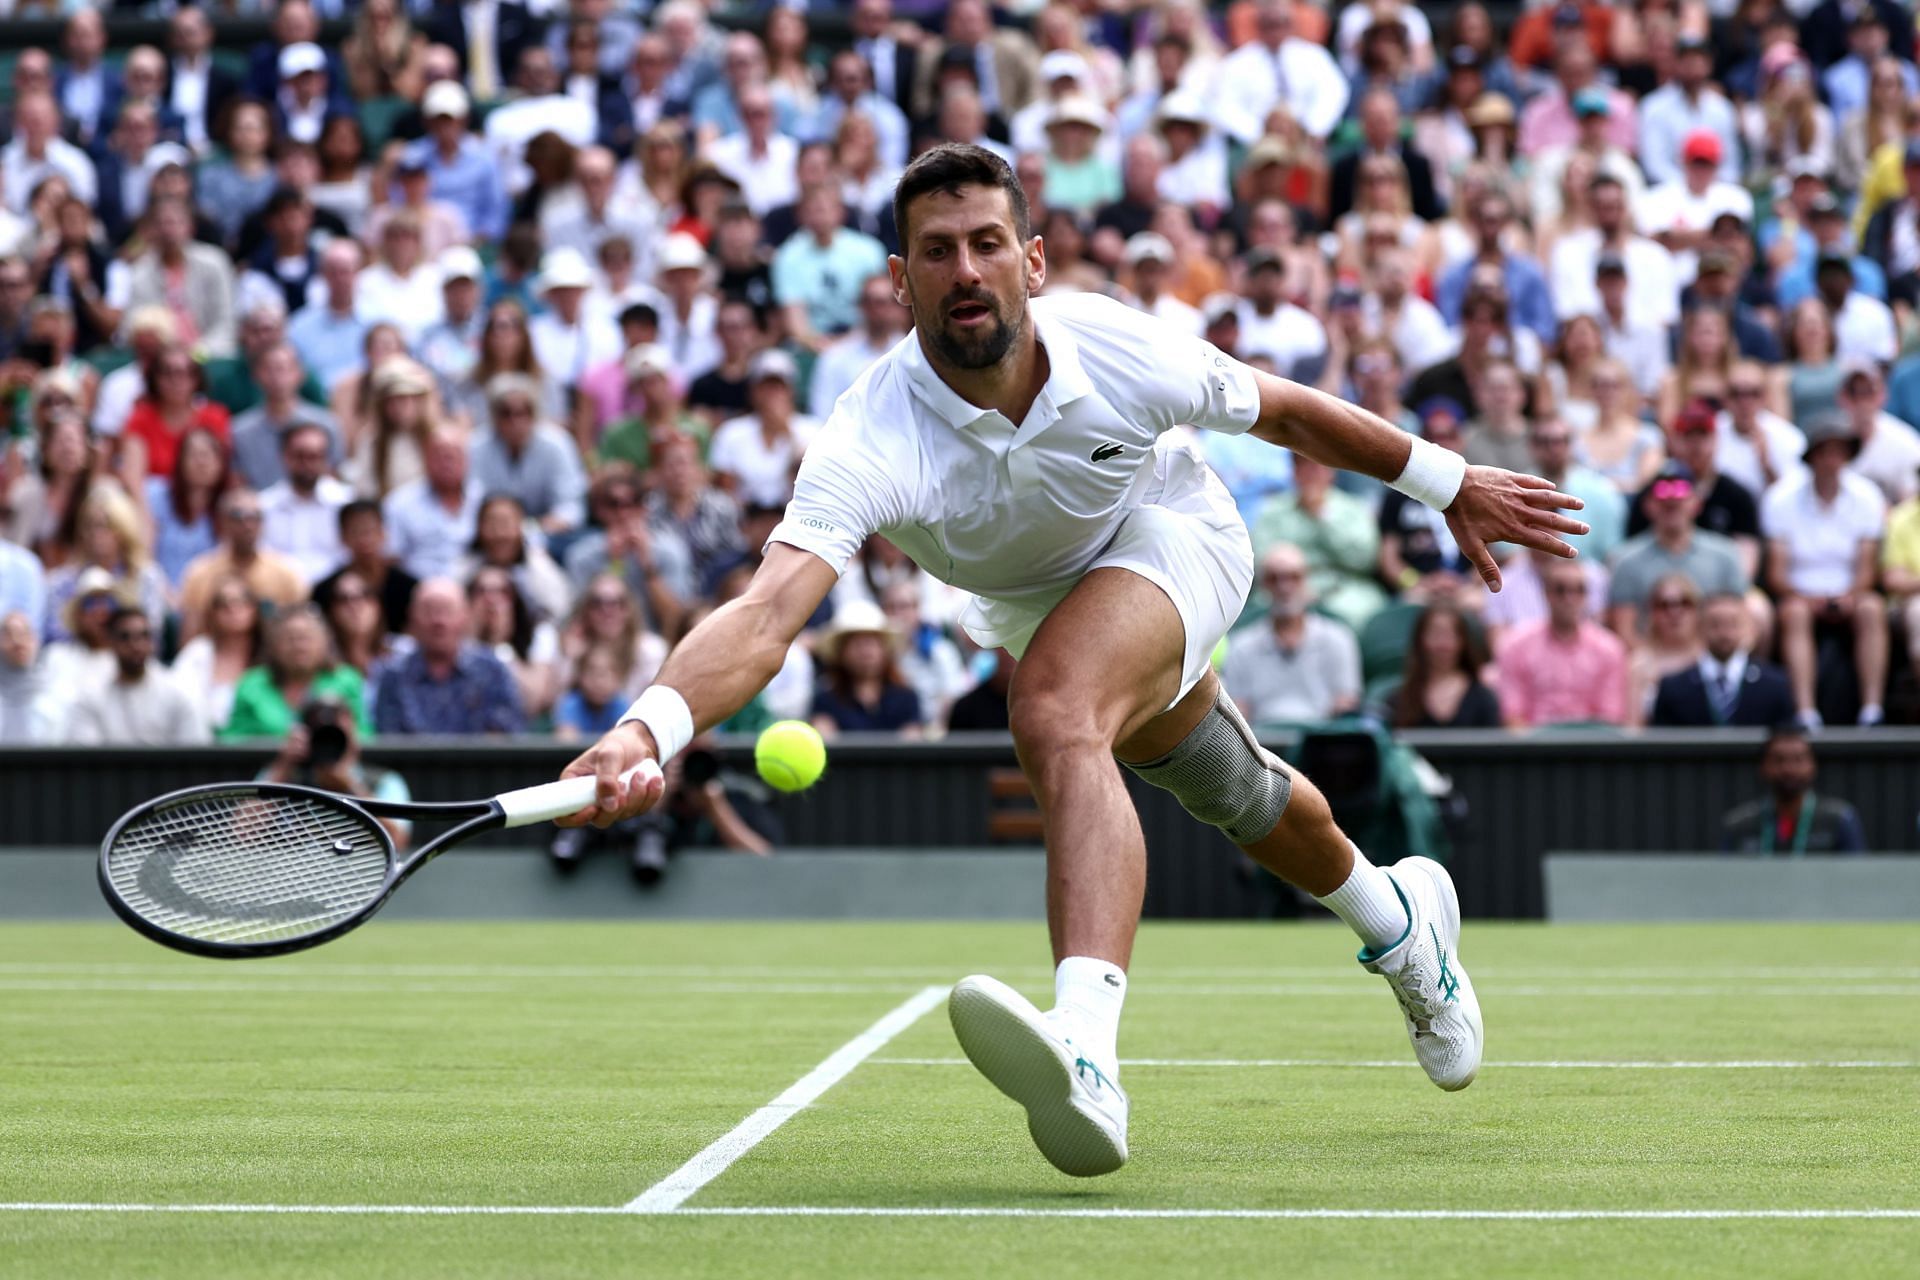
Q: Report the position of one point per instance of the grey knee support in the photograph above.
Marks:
(1223, 776)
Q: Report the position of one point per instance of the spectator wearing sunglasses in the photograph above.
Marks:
(140, 705)
(1674, 543)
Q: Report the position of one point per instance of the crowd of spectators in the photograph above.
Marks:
(445, 364)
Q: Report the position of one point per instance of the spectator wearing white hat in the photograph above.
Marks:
(861, 686)
(1078, 176)
(1195, 174)
(569, 337)
(754, 456)
(689, 310)
(1149, 258)
(401, 286)
(302, 104)
(451, 347)
(459, 169)
(1064, 76)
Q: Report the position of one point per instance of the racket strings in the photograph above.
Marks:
(243, 867)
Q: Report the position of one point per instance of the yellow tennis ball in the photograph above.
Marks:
(790, 755)
(1219, 656)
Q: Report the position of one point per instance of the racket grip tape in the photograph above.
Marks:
(552, 800)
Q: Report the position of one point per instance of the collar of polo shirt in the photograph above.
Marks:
(1066, 382)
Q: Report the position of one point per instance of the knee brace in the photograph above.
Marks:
(1223, 776)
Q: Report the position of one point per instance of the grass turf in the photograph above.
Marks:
(575, 1065)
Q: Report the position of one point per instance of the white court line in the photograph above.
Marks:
(313, 981)
(672, 1191)
(982, 1211)
(906, 975)
(1742, 1064)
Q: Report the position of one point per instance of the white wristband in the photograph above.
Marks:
(667, 717)
(1433, 475)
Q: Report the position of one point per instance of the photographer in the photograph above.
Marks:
(705, 806)
(323, 750)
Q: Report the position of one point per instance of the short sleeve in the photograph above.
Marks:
(841, 495)
(1227, 397)
(1182, 378)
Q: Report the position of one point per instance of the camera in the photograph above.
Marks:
(325, 719)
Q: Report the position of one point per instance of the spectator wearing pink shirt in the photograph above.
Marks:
(1568, 668)
(1549, 121)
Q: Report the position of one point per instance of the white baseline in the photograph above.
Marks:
(668, 1194)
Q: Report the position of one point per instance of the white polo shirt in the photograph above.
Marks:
(1823, 540)
(1016, 513)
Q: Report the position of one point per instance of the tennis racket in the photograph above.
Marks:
(243, 869)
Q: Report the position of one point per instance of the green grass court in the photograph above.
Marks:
(573, 1068)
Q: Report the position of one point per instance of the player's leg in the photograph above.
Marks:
(1105, 661)
(1407, 917)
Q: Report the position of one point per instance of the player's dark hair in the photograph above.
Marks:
(953, 165)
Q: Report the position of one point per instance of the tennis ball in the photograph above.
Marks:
(790, 755)
(1219, 657)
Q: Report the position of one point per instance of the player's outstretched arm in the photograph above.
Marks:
(723, 662)
(1483, 505)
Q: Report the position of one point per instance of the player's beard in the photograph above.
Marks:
(975, 349)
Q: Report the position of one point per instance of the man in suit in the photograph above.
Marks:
(488, 37)
(895, 65)
(196, 89)
(1007, 65)
(1729, 686)
(87, 91)
(1380, 135)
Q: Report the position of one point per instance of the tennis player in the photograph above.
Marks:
(1017, 447)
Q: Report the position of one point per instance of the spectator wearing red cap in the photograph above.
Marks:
(1680, 213)
(1684, 105)
(1727, 507)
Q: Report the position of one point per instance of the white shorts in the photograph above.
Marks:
(1188, 540)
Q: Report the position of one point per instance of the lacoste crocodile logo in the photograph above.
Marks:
(1108, 450)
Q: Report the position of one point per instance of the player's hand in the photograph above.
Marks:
(621, 748)
(1505, 506)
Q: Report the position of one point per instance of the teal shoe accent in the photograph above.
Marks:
(1367, 954)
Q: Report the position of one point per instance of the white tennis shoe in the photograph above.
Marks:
(1424, 971)
(1077, 1116)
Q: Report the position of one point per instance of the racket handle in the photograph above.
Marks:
(552, 800)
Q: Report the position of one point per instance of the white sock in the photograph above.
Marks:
(1087, 995)
(1370, 905)
(1871, 714)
